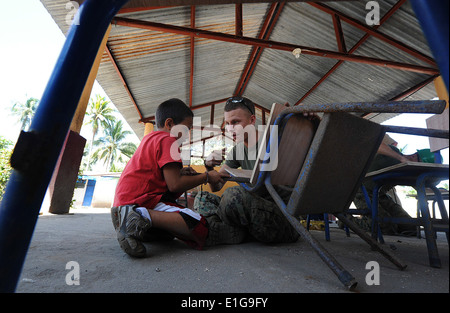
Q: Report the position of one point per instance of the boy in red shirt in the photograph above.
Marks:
(145, 207)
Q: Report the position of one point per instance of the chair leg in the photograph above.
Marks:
(371, 241)
(433, 254)
(327, 226)
(325, 220)
(343, 275)
(441, 206)
(376, 229)
(419, 235)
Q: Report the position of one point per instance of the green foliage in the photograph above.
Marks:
(25, 112)
(112, 147)
(99, 114)
(403, 149)
(5, 166)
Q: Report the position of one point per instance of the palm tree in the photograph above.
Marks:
(25, 111)
(99, 114)
(112, 147)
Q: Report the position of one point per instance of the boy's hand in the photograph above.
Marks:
(215, 177)
(214, 159)
(188, 171)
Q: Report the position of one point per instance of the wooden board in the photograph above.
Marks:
(410, 167)
(238, 175)
(294, 145)
(337, 161)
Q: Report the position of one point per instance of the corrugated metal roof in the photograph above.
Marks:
(156, 65)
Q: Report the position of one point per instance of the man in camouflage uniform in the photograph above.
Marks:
(387, 205)
(259, 217)
(255, 213)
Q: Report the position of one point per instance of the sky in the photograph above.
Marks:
(30, 45)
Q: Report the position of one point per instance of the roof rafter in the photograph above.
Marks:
(394, 9)
(238, 18)
(204, 105)
(339, 34)
(191, 74)
(267, 28)
(124, 82)
(200, 33)
(375, 33)
(414, 89)
(140, 9)
(405, 94)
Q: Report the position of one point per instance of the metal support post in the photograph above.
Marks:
(37, 150)
(433, 17)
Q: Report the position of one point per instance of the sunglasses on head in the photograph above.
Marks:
(243, 101)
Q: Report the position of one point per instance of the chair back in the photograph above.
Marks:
(337, 160)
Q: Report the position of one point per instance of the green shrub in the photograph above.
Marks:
(5, 166)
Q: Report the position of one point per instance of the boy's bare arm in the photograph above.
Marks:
(176, 182)
(219, 185)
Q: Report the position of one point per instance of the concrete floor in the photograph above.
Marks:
(87, 237)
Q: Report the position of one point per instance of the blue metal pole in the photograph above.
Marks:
(433, 17)
(433, 254)
(37, 150)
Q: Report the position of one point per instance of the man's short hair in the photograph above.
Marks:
(234, 103)
(173, 108)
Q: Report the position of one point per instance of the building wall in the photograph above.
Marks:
(104, 192)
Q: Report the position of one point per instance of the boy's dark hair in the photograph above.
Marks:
(175, 109)
(234, 103)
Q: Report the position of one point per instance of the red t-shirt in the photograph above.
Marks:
(142, 181)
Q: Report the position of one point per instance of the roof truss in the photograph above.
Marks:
(262, 41)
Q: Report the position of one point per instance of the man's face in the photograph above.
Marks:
(236, 122)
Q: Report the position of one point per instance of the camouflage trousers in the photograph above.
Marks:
(262, 219)
(387, 207)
